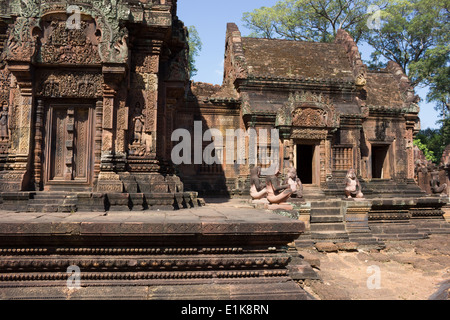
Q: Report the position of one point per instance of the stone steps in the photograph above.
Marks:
(327, 221)
(432, 226)
(397, 231)
(326, 218)
(325, 212)
(311, 193)
(52, 202)
(319, 236)
(324, 227)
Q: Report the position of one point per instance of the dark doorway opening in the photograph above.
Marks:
(379, 156)
(305, 156)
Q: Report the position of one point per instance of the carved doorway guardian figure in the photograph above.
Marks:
(4, 134)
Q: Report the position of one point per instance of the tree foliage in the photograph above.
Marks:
(195, 46)
(434, 141)
(309, 20)
(413, 34)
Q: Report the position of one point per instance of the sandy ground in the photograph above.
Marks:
(404, 270)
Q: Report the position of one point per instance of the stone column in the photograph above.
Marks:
(98, 139)
(19, 174)
(38, 142)
(108, 180)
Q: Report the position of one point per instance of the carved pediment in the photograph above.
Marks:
(310, 117)
(61, 45)
(308, 110)
(109, 45)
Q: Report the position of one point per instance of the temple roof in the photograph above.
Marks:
(296, 59)
(383, 90)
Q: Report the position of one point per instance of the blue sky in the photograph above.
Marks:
(210, 17)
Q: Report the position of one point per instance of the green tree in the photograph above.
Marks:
(429, 154)
(412, 33)
(309, 20)
(195, 46)
(434, 141)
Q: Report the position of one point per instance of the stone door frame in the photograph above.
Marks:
(47, 182)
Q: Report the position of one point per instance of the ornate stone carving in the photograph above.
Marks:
(4, 130)
(309, 134)
(294, 182)
(142, 142)
(108, 113)
(21, 45)
(145, 63)
(359, 69)
(69, 46)
(308, 110)
(436, 186)
(257, 191)
(178, 67)
(276, 193)
(309, 117)
(62, 84)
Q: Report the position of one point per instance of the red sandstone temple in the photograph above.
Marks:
(91, 94)
(91, 110)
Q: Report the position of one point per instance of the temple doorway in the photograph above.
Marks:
(306, 166)
(380, 163)
(69, 146)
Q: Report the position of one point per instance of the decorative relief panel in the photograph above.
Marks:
(309, 117)
(307, 109)
(108, 113)
(62, 84)
(4, 110)
(145, 63)
(21, 45)
(309, 134)
(69, 46)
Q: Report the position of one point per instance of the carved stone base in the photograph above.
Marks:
(11, 181)
(158, 256)
(109, 182)
(118, 202)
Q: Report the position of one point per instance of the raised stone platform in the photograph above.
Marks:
(214, 252)
(369, 222)
(33, 201)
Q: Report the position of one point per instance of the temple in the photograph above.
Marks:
(91, 96)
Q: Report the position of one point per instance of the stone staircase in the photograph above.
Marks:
(327, 221)
(327, 224)
(52, 202)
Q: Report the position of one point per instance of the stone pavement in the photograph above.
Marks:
(231, 216)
